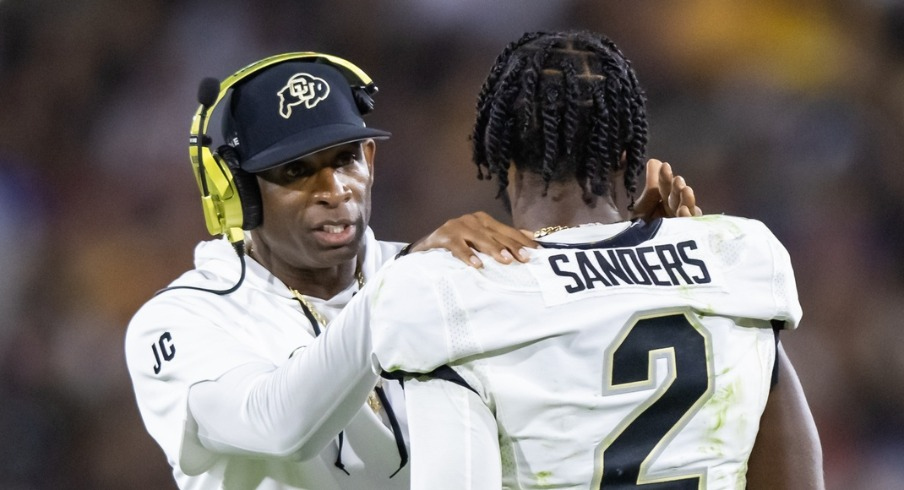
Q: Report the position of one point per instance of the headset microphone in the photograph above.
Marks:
(208, 91)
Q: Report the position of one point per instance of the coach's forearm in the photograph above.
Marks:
(291, 410)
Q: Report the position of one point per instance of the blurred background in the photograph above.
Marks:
(788, 111)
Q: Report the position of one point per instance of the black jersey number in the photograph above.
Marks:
(627, 453)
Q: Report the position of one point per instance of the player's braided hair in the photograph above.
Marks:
(565, 105)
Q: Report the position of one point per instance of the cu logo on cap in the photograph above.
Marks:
(302, 88)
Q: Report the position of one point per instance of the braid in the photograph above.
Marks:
(483, 97)
(566, 106)
(612, 97)
(638, 142)
(636, 153)
(500, 127)
(529, 90)
(499, 133)
(550, 116)
(630, 102)
(597, 162)
(572, 93)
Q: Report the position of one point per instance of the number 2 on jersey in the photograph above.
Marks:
(628, 452)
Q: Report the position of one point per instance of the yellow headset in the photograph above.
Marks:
(230, 197)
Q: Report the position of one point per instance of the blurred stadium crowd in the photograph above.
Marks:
(788, 111)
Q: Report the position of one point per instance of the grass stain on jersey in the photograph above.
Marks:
(726, 398)
(720, 404)
(709, 310)
(542, 478)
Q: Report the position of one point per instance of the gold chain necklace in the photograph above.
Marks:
(373, 400)
(546, 230)
(359, 276)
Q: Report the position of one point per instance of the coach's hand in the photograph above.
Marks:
(664, 195)
(477, 231)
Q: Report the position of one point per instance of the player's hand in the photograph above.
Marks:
(478, 231)
(679, 197)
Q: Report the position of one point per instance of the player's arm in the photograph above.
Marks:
(453, 435)
(787, 453)
(664, 195)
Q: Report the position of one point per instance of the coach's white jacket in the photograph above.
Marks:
(268, 398)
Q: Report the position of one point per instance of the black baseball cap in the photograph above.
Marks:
(290, 110)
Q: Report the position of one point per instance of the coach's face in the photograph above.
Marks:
(316, 208)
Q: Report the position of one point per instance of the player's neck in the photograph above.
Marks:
(563, 205)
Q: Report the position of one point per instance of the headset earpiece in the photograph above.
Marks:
(363, 100)
(220, 198)
(249, 193)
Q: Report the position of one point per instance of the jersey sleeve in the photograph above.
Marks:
(765, 276)
(784, 286)
(411, 311)
(751, 267)
(453, 437)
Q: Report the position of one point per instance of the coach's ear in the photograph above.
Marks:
(369, 147)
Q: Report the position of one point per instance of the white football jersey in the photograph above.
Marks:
(620, 355)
